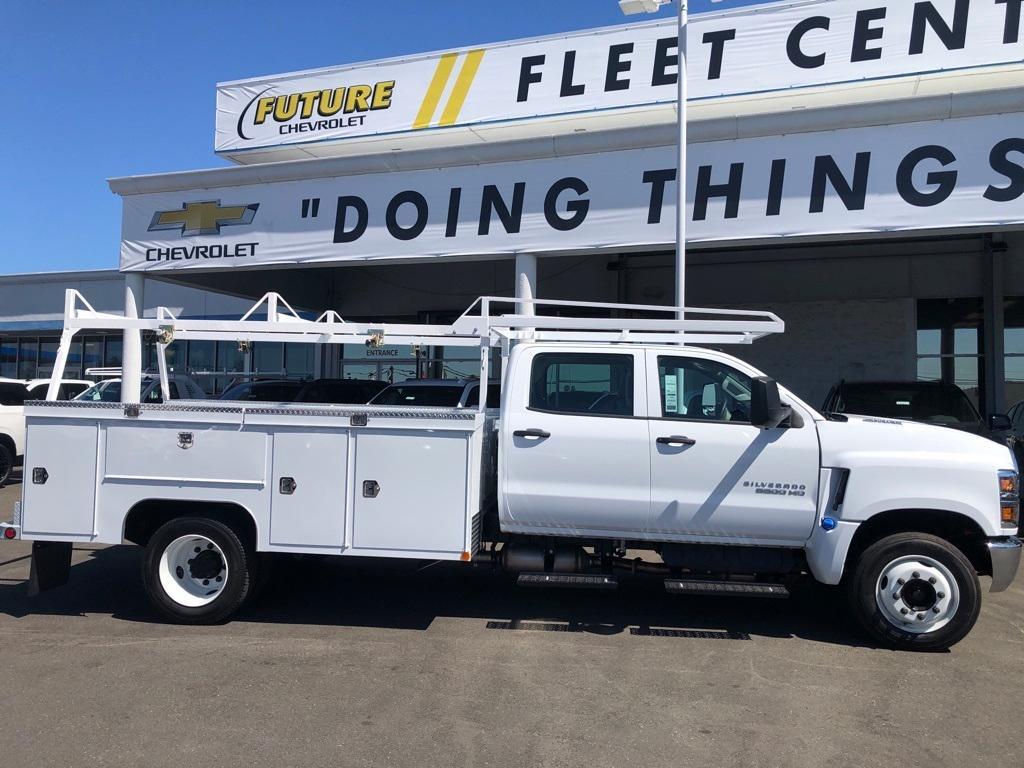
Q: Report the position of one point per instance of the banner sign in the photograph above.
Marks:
(964, 172)
(758, 49)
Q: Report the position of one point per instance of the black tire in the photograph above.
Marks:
(866, 575)
(239, 559)
(6, 463)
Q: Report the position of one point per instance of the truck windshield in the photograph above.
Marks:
(110, 392)
(932, 403)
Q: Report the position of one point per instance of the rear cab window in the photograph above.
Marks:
(583, 383)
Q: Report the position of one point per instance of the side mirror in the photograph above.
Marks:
(766, 410)
(999, 422)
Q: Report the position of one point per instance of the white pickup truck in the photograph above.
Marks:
(612, 435)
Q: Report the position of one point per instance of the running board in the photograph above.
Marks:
(569, 580)
(724, 588)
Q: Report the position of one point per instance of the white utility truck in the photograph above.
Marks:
(614, 434)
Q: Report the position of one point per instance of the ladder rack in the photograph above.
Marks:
(481, 325)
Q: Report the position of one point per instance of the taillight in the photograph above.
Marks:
(10, 533)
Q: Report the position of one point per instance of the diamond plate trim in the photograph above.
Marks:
(198, 406)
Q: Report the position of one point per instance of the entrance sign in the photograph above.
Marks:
(752, 50)
(915, 176)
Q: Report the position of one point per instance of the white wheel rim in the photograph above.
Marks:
(917, 594)
(193, 571)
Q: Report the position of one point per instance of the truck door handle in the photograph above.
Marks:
(539, 433)
(676, 440)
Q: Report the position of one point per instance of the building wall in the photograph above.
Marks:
(830, 340)
(38, 300)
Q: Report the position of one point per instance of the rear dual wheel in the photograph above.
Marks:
(197, 571)
(915, 591)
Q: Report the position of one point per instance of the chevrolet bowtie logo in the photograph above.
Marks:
(205, 218)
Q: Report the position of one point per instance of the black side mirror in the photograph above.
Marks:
(999, 422)
(766, 410)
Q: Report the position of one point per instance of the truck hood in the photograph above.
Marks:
(843, 443)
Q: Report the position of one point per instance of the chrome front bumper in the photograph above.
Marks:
(1005, 553)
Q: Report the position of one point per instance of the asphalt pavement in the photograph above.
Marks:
(381, 664)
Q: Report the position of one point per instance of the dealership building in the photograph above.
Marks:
(856, 166)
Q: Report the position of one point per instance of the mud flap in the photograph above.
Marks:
(51, 565)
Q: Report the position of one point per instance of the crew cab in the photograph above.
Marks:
(613, 435)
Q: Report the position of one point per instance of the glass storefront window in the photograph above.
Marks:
(229, 357)
(112, 356)
(93, 353)
(47, 357)
(28, 356)
(298, 360)
(9, 358)
(388, 363)
(949, 344)
(202, 357)
(175, 355)
(73, 368)
(1013, 350)
(268, 358)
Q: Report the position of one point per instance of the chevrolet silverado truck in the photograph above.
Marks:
(613, 435)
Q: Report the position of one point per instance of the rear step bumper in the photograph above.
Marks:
(567, 580)
(724, 588)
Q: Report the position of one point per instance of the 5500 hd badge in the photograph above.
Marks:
(202, 218)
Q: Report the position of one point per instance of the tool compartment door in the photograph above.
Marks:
(411, 492)
(65, 504)
(307, 507)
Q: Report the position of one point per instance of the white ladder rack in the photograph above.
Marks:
(282, 323)
(479, 326)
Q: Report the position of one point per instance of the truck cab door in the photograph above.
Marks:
(574, 443)
(715, 476)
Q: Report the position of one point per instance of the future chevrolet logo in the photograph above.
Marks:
(203, 218)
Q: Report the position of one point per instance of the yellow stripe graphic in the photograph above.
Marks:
(433, 96)
(461, 89)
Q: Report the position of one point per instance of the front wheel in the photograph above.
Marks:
(197, 571)
(915, 591)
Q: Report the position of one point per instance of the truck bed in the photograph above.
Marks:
(391, 481)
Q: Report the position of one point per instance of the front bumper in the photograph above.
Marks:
(1005, 554)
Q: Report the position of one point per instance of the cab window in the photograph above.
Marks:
(582, 383)
(702, 390)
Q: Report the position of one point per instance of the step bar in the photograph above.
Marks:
(724, 588)
(567, 580)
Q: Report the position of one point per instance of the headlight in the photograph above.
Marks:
(1009, 498)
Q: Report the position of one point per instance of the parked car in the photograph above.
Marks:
(271, 391)
(339, 391)
(12, 425)
(181, 387)
(450, 393)
(69, 388)
(930, 402)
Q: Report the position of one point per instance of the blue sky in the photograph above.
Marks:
(97, 89)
